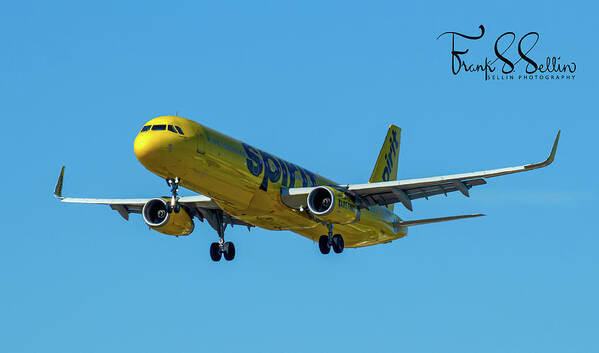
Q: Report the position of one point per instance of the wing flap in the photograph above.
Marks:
(393, 195)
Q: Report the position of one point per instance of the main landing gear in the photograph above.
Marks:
(222, 247)
(174, 205)
(327, 241)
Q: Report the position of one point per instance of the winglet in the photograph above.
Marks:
(549, 159)
(58, 188)
(553, 149)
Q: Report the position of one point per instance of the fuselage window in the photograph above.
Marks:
(172, 129)
(158, 127)
(179, 129)
(146, 128)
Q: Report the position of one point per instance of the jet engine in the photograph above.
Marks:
(156, 215)
(332, 206)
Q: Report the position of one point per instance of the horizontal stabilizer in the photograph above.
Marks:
(435, 220)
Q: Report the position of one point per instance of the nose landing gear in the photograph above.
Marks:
(174, 205)
(216, 218)
(325, 242)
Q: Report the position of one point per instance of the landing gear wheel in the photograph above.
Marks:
(323, 244)
(177, 208)
(217, 220)
(229, 251)
(215, 254)
(338, 243)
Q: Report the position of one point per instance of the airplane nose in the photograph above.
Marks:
(160, 145)
(146, 148)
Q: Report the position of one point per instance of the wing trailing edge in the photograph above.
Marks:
(436, 220)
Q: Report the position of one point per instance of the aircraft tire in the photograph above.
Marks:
(215, 254)
(229, 251)
(323, 244)
(338, 243)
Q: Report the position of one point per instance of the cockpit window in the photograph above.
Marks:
(146, 128)
(172, 129)
(158, 127)
(179, 129)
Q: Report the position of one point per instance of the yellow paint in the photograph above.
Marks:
(216, 165)
(179, 223)
(385, 168)
(345, 210)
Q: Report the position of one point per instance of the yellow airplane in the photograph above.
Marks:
(243, 185)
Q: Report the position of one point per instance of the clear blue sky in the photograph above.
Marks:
(317, 83)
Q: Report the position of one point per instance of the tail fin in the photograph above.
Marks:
(385, 168)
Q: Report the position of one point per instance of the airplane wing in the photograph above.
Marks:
(435, 220)
(404, 191)
(198, 205)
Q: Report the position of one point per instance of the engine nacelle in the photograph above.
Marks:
(156, 216)
(332, 206)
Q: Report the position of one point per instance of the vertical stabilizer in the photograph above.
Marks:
(385, 168)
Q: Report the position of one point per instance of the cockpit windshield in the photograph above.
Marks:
(172, 128)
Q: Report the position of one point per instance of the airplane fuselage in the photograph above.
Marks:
(246, 182)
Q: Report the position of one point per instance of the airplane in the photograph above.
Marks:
(239, 184)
